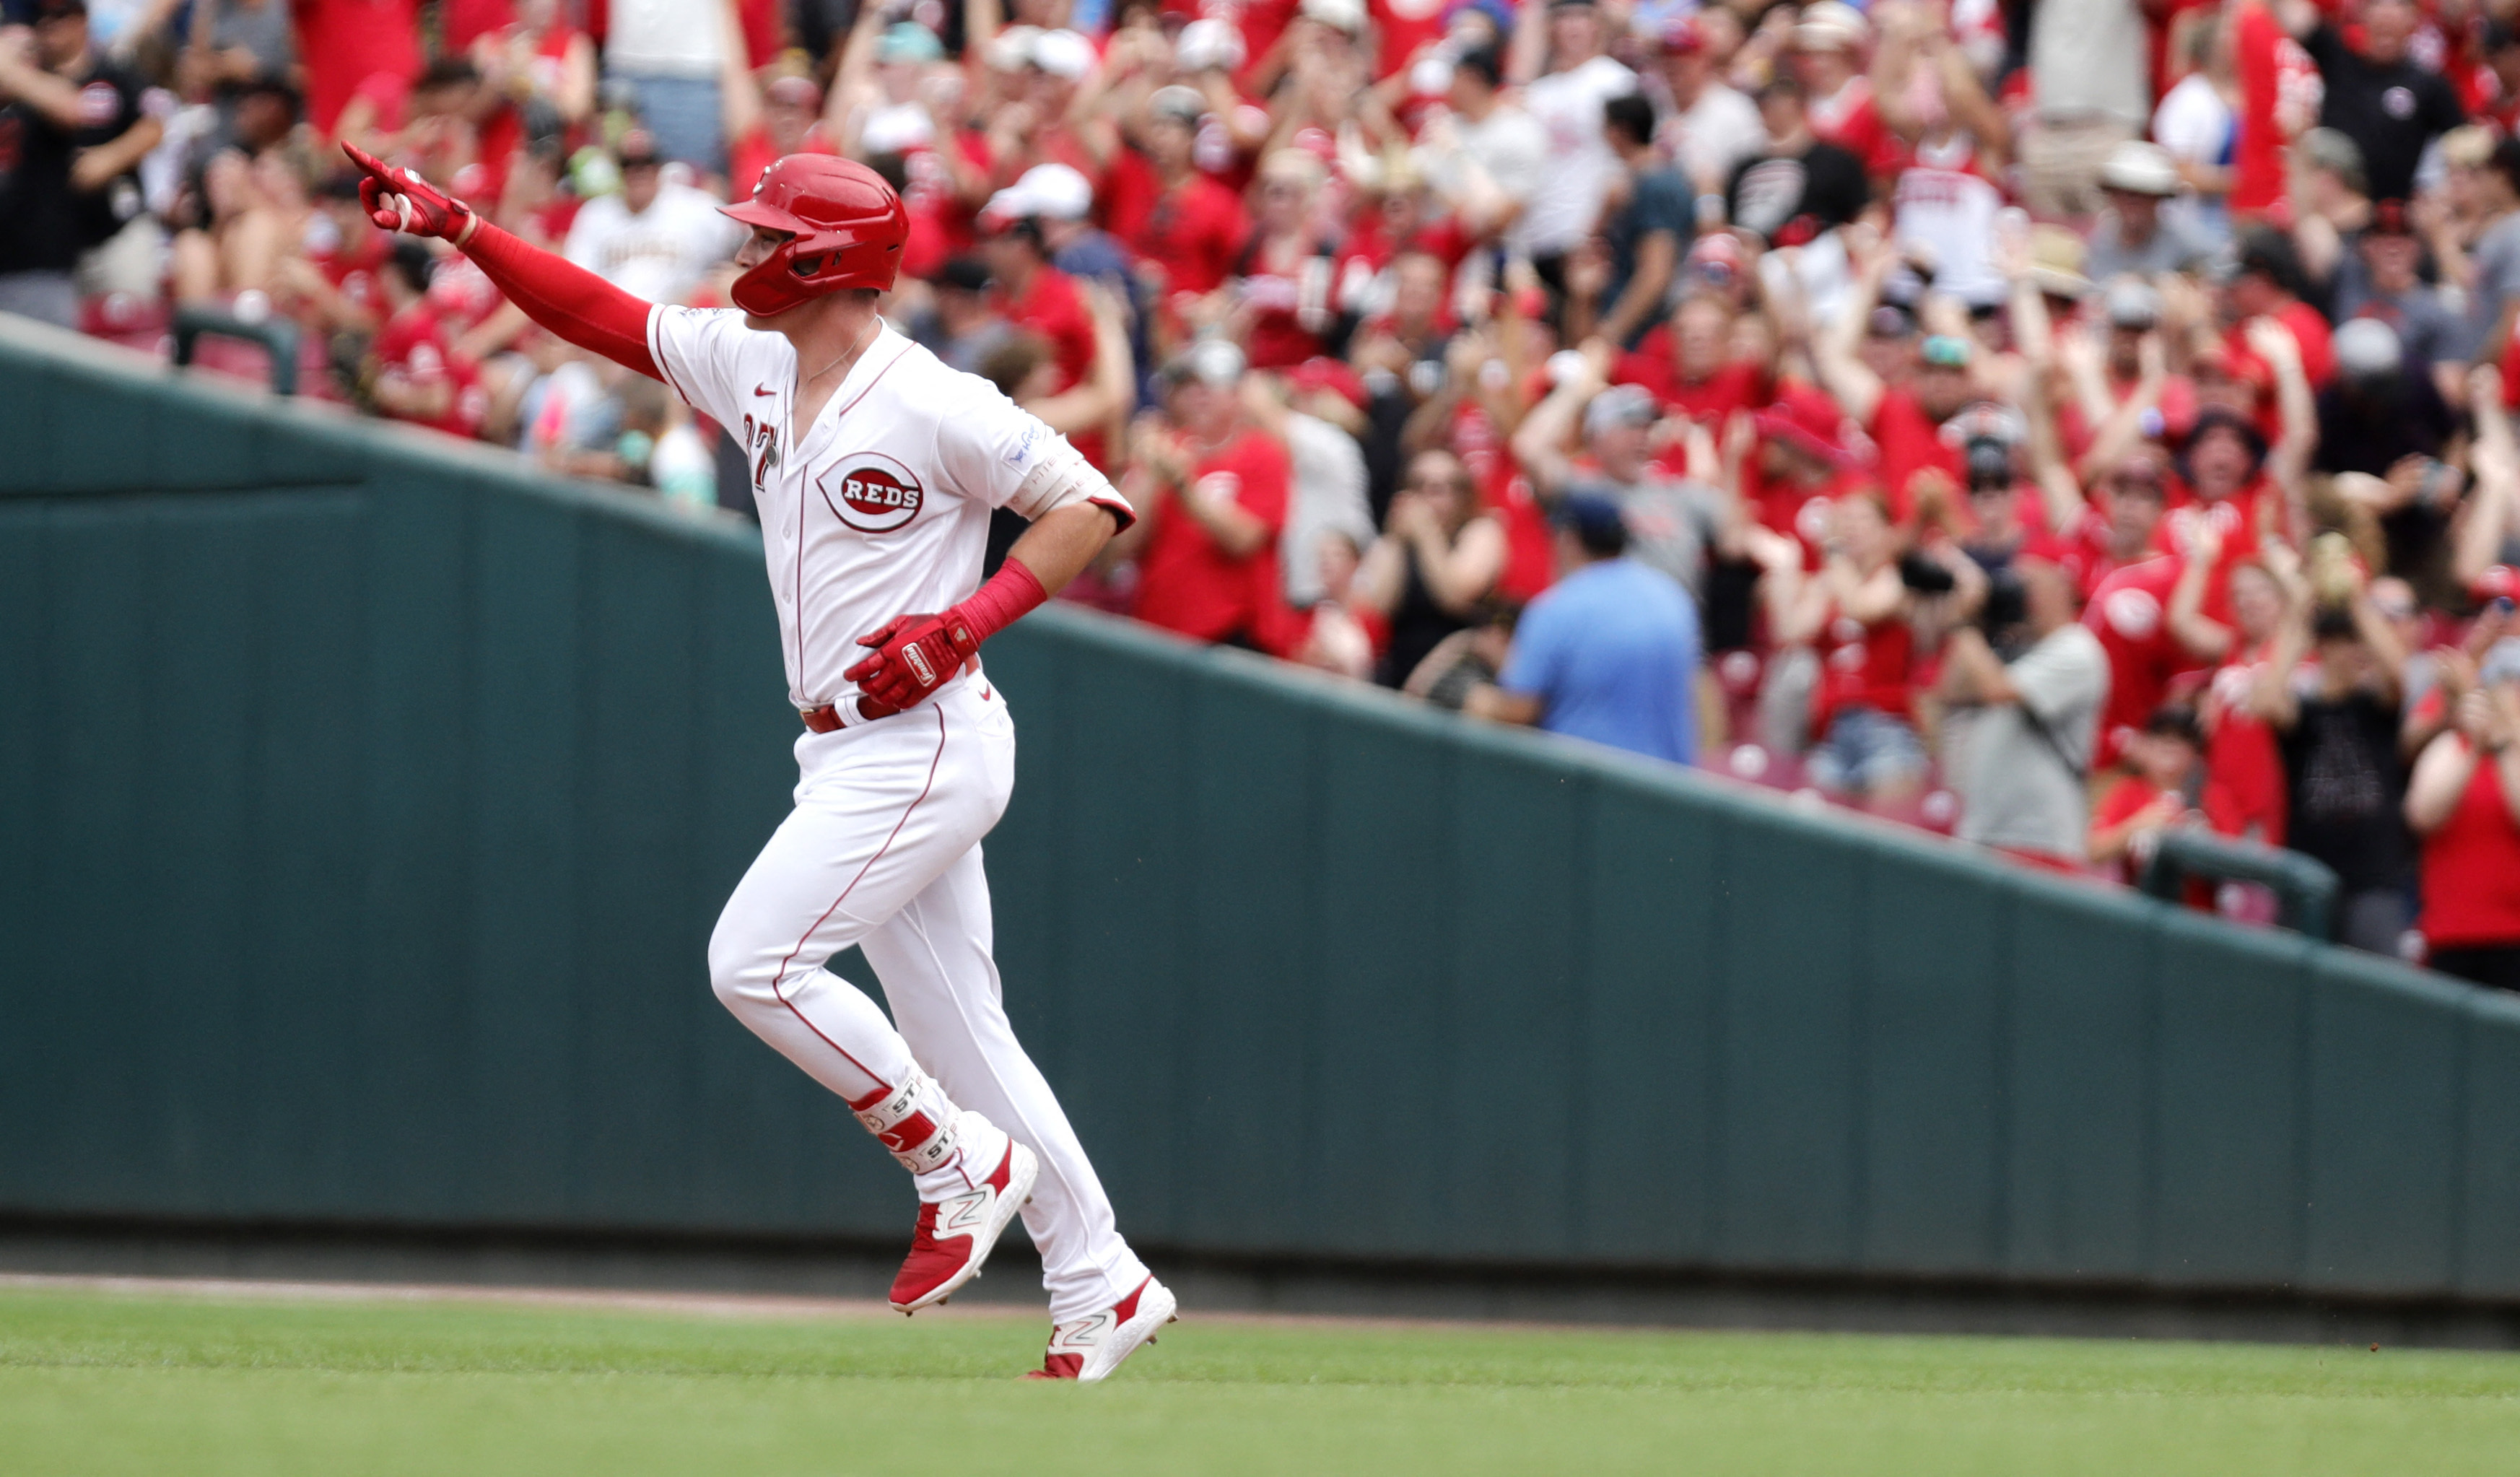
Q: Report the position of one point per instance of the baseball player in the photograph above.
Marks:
(874, 468)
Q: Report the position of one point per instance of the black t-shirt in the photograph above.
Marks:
(2392, 111)
(45, 224)
(2348, 790)
(2361, 433)
(1823, 186)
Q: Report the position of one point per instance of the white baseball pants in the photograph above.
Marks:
(882, 851)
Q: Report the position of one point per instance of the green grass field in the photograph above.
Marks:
(165, 1384)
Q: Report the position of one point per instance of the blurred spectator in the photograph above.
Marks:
(1187, 228)
(963, 324)
(2376, 94)
(1210, 489)
(1486, 159)
(2024, 723)
(1280, 290)
(1565, 99)
(236, 45)
(1322, 411)
(1032, 295)
(2338, 730)
(72, 134)
(1438, 560)
(2088, 95)
(1828, 42)
(1675, 525)
(2379, 276)
(1710, 128)
(1795, 186)
(2463, 804)
(542, 70)
(1609, 654)
(671, 55)
(655, 237)
(362, 53)
(2493, 256)
(1620, 288)
(2383, 427)
(767, 119)
(2135, 234)
(2197, 122)
(414, 375)
(1855, 614)
(2169, 788)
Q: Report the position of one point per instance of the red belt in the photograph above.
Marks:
(829, 719)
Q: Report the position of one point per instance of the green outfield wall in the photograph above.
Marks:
(364, 805)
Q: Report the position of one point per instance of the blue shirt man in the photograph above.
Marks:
(1609, 652)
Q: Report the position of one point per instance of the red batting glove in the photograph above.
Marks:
(398, 200)
(914, 655)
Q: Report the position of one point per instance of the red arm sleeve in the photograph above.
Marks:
(565, 298)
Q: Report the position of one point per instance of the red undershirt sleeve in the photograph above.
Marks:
(1003, 601)
(566, 299)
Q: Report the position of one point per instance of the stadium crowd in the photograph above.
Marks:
(2053, 423)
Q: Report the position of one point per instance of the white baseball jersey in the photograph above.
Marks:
(881, 507)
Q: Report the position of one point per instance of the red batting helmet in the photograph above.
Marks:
(848, 229)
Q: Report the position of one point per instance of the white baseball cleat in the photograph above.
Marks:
(1088, 1348)
(955, 1236)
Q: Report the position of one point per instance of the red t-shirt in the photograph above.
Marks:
(2309, 330)
(752, 154)
(2128, 796)
(1053, 308)
(1262, 22)
(1865, 666)
(2281, 91)
(350, 266)
(468, 20)
(940, 224)
(1186, 582)
(2240, 751)
(2130, 613)
(1851, 120)
(343, 42)
(2471, 870)
(1910, 442)
(1404, 26)
(2087, 552)
(1280, 301)
(2243, 520)
(1194, 231)
(1710, 401)
(410, 344)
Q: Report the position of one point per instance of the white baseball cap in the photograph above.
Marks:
(1832, 25)
(1052, 191)
(2140, 168)
(1062, 54)
(1210, 44)
(1338, 14)
(1012, 50)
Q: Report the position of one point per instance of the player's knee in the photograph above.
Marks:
(736, 970)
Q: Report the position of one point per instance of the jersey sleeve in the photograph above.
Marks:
(995, 452)
(697, 349)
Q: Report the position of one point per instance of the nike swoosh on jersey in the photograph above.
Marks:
(763, 390)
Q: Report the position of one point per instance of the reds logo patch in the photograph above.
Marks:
(872, 493)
